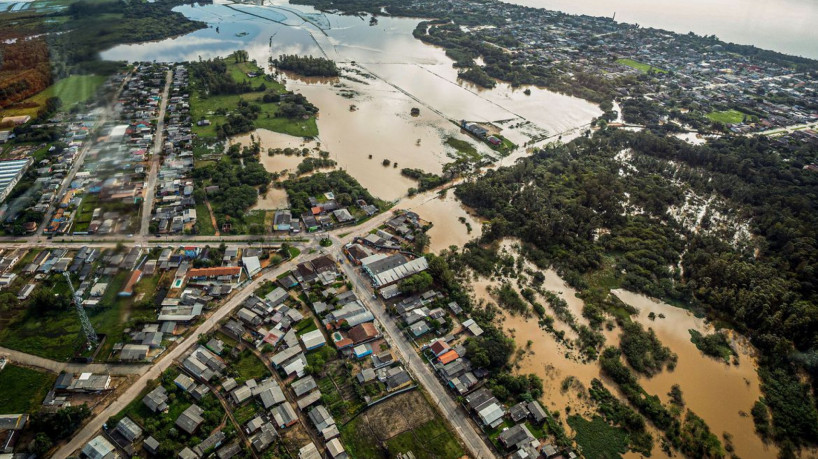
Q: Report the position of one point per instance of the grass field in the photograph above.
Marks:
(639, 66)
(71, 90)
(58, 334)
(22, 390)
(249, 367)
(597, 439)
(206, 107)
(403, 423)
(729, 116)
(203, 220)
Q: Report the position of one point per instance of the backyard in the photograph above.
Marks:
(22, 390)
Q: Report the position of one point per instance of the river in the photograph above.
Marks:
(787, 26)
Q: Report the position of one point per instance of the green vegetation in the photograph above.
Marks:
(643, 350)
(162, 425)
(598, 439)
(429, 441)
(240, 178)
(347, 190)
(307, 65)
(644, 68)
(714, 345)
(70, 90)
(248, 366)
(416, 283)
(621, 415)
(464, 149)
(236, 103)
(204, 225)
(730, 117)
(22, 390)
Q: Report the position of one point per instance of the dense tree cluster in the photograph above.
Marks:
(347, 190)
(580, 214)
(307, 65)
(643, 350)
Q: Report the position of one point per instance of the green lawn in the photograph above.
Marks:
(205, 107)
(71, 90)
(249, 367)
(597, 439)
(305, 326)
(203, 220)
(359, 440)
(22, 390)
(639, 66)
(729, 116)
(429, 441)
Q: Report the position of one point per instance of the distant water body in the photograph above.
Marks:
(787, 26)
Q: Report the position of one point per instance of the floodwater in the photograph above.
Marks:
(387, 72)
(445, 212)
(722, 394)
(275, 198)
(786, 26)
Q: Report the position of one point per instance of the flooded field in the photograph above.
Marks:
(722, 394)
(387, 72)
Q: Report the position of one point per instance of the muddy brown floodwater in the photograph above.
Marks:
(722, 394)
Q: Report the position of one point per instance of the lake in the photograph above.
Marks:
(787, 26)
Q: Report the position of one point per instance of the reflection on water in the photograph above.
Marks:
(387, 73)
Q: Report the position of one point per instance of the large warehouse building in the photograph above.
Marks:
(10, 173)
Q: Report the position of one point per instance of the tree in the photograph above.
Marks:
(416, 283)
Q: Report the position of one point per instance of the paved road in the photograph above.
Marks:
(439, 394)
(159, 136)
(92, 427)
(58, 367)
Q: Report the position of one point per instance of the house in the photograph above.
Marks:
(277, 296)
(439, 347)
(336, 450)
(229, 451)
(472, 327)
(516, 437)
(184, 382)
(241, 394)
(129, 429)
(132, 281)
(308, 400)
(366, 375)
(321, 418)
(284, 415)
(187, 453)
(151, 446)
(486, 406)
(303, 386)
(313, 340)
(536, 411)
(362, 350)
(309, 451)
(343, 216)
(419, 328)
(210, 443)
(156, 400)
(252, 265)
(190, 419)
(363, 332)
(385, 270)
(99, 448)
(264, 438)
(448, 357)
(398, 380)
(223, 272)
(282, 221)
(518, 412)
(134, 352)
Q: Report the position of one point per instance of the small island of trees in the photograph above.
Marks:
(307, 65)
